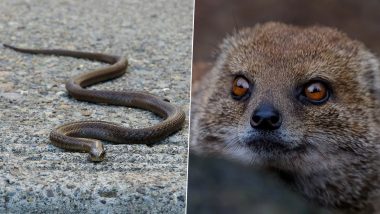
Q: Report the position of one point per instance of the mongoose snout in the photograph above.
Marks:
(266, 117)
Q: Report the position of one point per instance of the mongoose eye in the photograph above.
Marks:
(316, 92)
(240, 87)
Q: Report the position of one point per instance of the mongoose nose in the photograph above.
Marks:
(266, 117)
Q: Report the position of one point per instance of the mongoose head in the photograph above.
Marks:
(301, 100)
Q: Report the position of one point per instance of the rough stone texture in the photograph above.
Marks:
(34, 175)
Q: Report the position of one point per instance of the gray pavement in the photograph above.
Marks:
(35, 176)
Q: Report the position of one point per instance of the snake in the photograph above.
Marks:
(87, 136)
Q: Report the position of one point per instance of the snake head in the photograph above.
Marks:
(97, 152)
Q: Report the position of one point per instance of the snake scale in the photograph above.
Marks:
(87, 136)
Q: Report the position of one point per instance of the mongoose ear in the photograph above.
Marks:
(376, 86)
(369, 77)
(376, 75)
(377, 80)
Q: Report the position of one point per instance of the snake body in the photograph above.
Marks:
(86, 136)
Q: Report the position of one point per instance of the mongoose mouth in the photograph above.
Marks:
(274, 145)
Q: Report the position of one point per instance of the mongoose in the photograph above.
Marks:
(300, 101)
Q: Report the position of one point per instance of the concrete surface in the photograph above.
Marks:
(35, 176)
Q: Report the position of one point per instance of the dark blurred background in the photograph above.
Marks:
(220, 186)
(214, 19)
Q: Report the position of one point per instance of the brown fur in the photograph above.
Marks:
(332, 152)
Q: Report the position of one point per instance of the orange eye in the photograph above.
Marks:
(316, 92)
(240, 87)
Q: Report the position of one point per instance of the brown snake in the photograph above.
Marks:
(85, 136)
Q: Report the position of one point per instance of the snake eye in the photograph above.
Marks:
(316, 92)
(240, 87)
